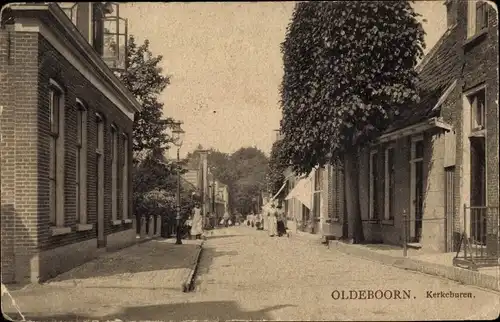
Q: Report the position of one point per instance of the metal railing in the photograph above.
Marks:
(480, 240)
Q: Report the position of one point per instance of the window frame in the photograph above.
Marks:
(81, 164)
(125, 178)
(473, 29)
(472, 99)
(388, 184)
(114, 174)
(56, 137)
(372, 179)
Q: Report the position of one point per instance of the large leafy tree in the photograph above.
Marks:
(277, 164)
(145, 80)
(154, 180)
(348, 72)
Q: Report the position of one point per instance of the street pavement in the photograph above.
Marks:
(249, 275)
(111, 286)
(246, 275)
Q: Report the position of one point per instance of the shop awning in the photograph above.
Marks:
(302, 191)
(279, 191)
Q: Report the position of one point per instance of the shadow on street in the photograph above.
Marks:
(221, 236)
(150, 256)
(214, 310)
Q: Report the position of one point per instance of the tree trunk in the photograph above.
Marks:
(355, 226)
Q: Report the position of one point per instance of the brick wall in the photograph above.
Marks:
(19, 153)
(55, 66)
(27, 63)
(480, 66)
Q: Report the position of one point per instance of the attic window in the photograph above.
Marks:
(477, 17)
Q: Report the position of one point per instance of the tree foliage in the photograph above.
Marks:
(243, 172)
(348, 71)
(145, 80)
(154, 177)
(277, 164)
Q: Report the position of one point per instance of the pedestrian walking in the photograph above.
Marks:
(189, 224)
(272, 216)
(280, 218)
(226, 218)
(197, 222)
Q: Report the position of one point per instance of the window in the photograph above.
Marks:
(114, 172)
(477, 19)
(100, 170)
(56, 157)
(125, 177)
(373, 209)
(478, 110)
(317, 193)
(81, 163)
(389, 184)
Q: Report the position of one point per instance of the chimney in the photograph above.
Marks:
(451, 13)
(84, 20)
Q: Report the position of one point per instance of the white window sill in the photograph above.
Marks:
(57, 231)
(84, 227)
(127, 221)
(388, 222)
(116, 222)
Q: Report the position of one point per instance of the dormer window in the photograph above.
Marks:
(477, 17)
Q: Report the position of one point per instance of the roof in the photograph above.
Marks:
(437, 72)
(65, 32)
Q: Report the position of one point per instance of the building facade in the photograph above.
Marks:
(434, 175)
(66, 142)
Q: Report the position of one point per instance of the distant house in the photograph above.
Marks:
(66, 140)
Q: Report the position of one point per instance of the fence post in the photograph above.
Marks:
(405, 249)
(465, 231)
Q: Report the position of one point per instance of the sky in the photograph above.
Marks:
(225, 65)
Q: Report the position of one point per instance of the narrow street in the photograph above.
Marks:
(243, 274)
(249, 275)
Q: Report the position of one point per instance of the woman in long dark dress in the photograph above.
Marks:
(281, 222)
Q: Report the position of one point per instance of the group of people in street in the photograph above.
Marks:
(255, 220)
(193, 226)
(276, 221)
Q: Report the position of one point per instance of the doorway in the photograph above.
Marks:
(417, 188)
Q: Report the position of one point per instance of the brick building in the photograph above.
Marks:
(66, 133)
(438, 163)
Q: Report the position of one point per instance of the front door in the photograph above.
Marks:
(449, 208)
(418, 202)
(417, 188)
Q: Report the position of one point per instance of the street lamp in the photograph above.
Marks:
(213, 196)
(177, 138)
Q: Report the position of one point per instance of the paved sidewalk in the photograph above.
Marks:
(146, 273)
(438, 264)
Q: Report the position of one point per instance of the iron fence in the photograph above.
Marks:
(480, 240)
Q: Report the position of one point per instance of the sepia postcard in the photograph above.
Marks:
(251, 161)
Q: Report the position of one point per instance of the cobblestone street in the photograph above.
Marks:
(293, 278)
(243, 274)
